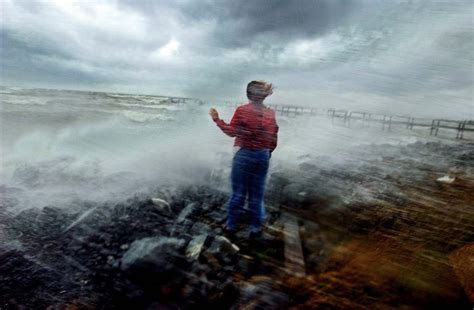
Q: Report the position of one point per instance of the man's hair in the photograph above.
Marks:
(258, 90)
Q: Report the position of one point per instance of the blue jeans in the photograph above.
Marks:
(249, 172)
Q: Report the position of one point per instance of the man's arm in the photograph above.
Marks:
(230, 129)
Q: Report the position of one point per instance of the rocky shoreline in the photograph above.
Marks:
(376, 231)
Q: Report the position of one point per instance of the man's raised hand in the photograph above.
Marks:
(214, 114)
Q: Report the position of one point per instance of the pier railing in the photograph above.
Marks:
(386, 121)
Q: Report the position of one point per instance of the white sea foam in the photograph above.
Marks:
(88, 148)
(142, 117)
(11, 98)
(150, 106)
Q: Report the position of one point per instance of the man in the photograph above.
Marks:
(256, 133)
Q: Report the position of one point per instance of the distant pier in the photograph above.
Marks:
(385, 121)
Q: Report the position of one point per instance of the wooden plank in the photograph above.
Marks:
(294, 259)
(462, 261)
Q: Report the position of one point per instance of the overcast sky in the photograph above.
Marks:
(320, 50)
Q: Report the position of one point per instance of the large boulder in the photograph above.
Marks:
(153, 255)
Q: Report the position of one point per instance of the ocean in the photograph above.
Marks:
(57, 146)
(60, 146)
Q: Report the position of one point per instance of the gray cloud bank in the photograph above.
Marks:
(358, 54)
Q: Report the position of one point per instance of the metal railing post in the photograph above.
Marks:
(432, 127)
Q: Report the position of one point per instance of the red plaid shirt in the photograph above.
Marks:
(254, 127)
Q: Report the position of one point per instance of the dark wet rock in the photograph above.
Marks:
(206, 207)
(190, 210)
(219, 215)
(157, 265)
(200, 228)
(154, 254)
(222, 249)
(94, 245)
(27, 284)
(196, 246)
(161, 205)
(181, 258)
(258, 293)
(181, 229)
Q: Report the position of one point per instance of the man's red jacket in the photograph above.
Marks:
(254, 126)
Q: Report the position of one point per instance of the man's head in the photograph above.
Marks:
(257, 91)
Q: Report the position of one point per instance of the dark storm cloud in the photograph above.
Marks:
(241, 23)
(211, 49)
(27, 69)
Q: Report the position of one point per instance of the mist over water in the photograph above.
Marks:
(61, 146)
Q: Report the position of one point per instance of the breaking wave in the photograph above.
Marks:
(141, 117)
(92, 147)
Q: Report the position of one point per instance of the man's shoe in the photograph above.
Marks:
(229, 233)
